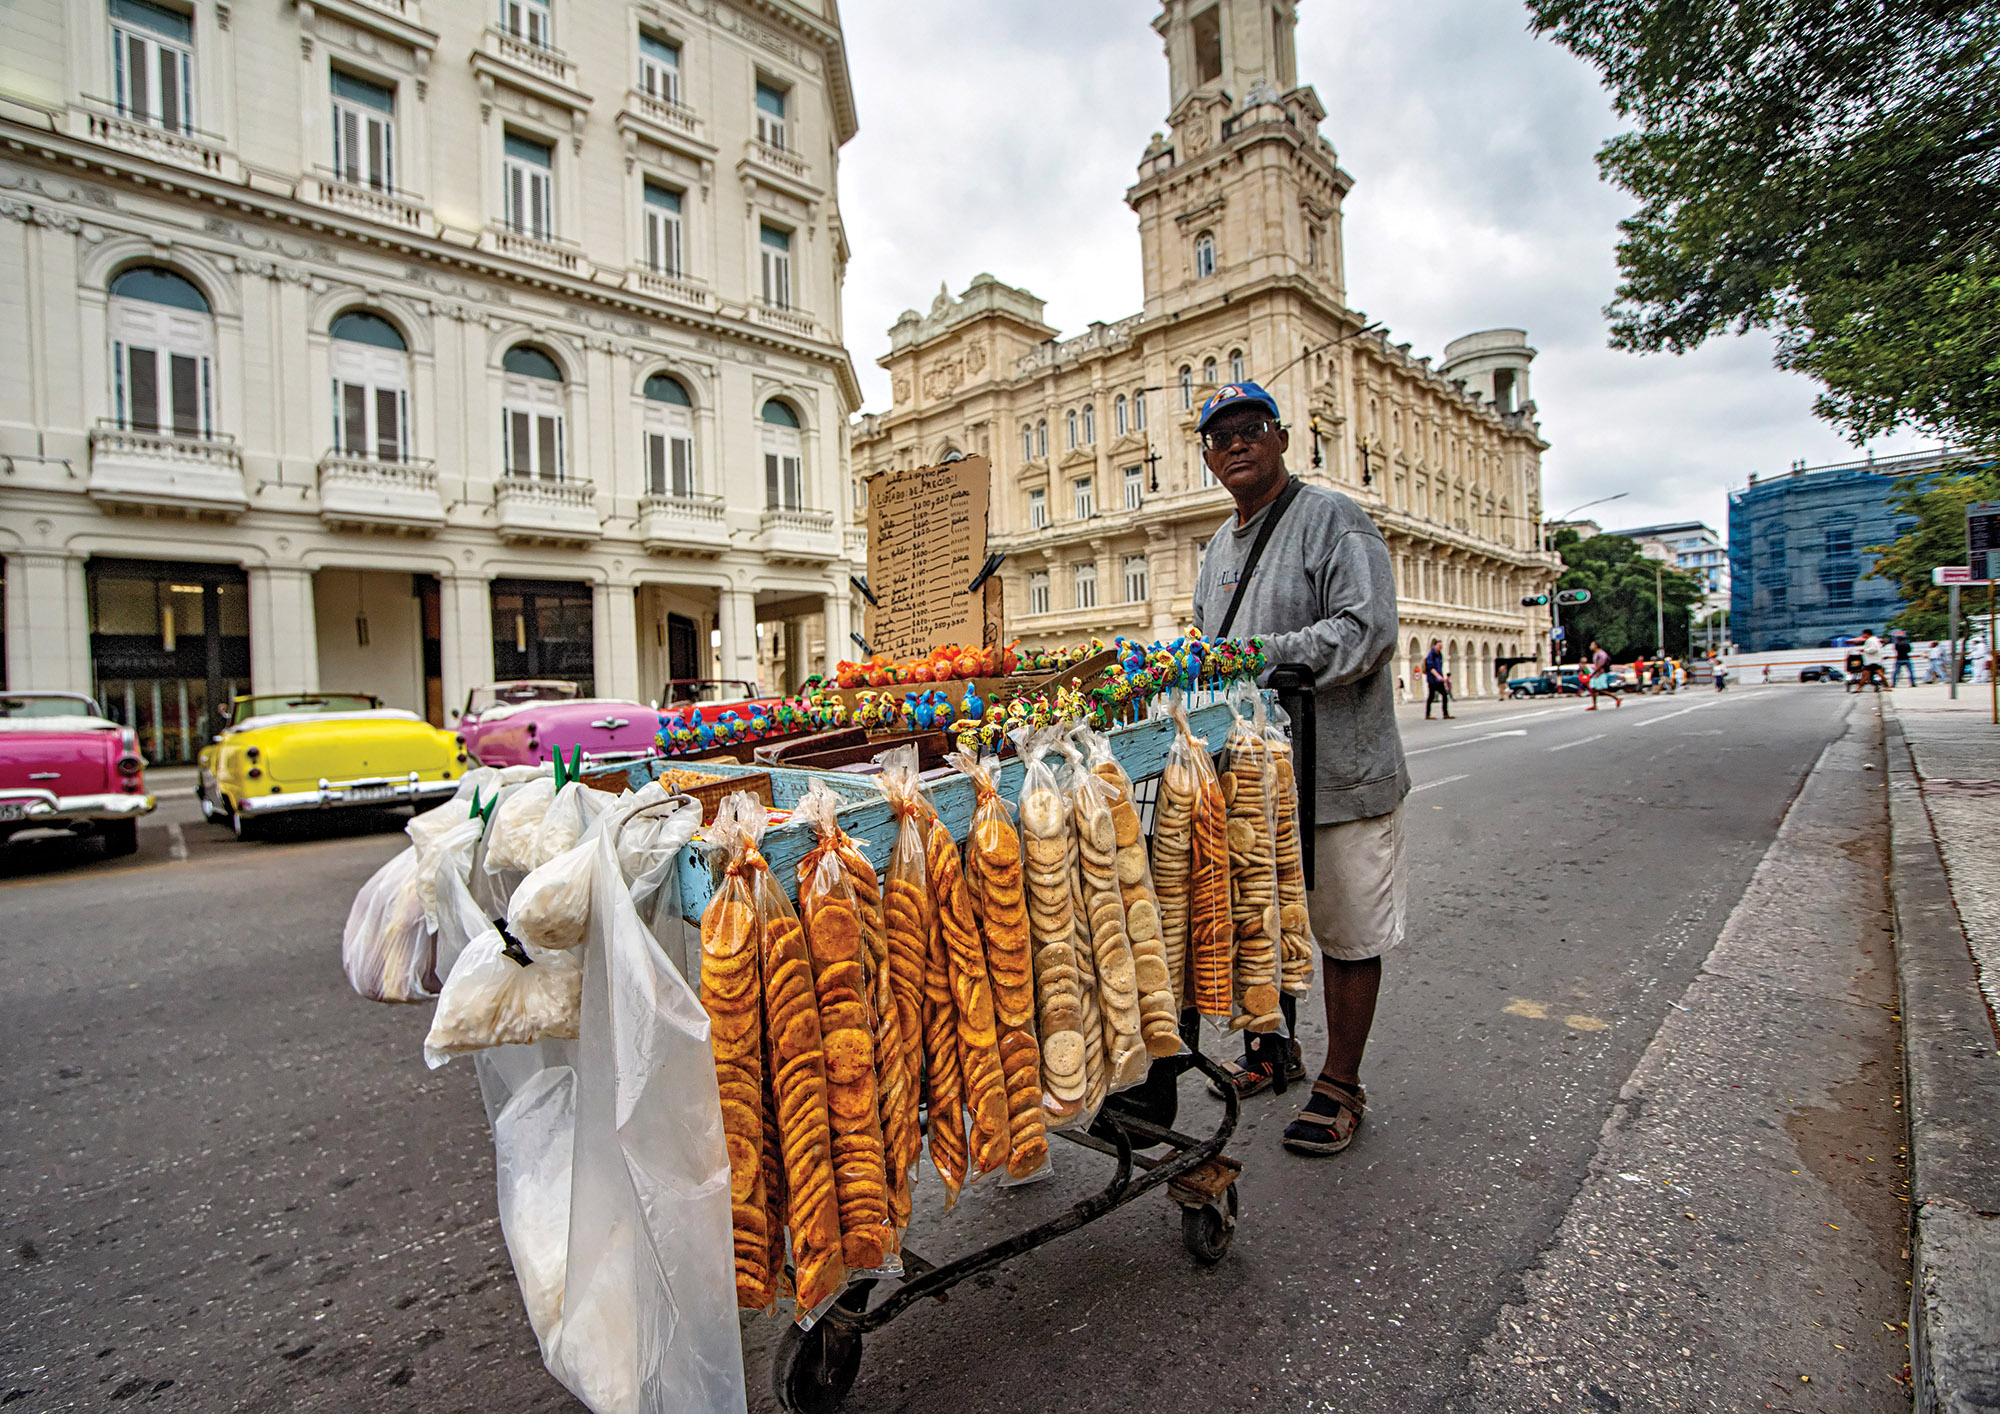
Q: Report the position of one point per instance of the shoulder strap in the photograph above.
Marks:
(1278, 509)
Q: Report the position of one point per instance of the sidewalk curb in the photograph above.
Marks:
(1952, 1100)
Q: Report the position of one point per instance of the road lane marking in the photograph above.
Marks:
(1441, 781)
(1581, 741)
(1516, 717)
(177, 845)
(1469, 741)
(1669, 716)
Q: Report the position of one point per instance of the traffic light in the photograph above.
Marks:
(1535, 599)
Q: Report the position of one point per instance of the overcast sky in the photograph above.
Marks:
(1001, 137)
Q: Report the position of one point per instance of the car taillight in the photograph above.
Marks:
(131, 765)
(254, 774)
(461, 758)
(253, 753)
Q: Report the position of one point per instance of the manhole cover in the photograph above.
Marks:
(1942, 786)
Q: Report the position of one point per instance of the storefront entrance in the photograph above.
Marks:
(169, 644)
(542, 629)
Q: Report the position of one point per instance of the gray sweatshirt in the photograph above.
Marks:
(1324, 594)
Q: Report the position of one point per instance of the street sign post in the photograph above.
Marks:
(1982, 557)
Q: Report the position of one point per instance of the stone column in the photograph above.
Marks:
(48, 622)
(465, 628)
(736, 616)
(795, 655)
(836, 609)
(614, 640)
(1162, 581)
(284, 634)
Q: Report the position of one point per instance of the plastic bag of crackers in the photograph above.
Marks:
(1191, 801)
(989, 1130)
(1101, 922)
(1070, 1025)
(1247, 782)
(921, 974)
(1159, 1004)
(1300, 949)
(997, 882)
(831, 912)
(771, 1070)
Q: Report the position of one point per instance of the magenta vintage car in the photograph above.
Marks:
(63, 766)
(522, 723)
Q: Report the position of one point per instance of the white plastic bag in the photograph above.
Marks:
(563, 824)
(388, 948)
(551, 908)
(490, 999)
(517, 820)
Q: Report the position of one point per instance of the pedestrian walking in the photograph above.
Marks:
(1935, 670)
(1600, 666)
(1871, 659)
(1767, 675)
(1304, 568)
(1436, 680)
(1899, 643)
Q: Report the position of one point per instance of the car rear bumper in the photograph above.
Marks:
(364, 791)
(46, 808)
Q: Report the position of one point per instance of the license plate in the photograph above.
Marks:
(13, 810)
(369, 792)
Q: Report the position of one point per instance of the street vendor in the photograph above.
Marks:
(1305, 568)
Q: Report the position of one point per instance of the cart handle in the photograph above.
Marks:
(1294, 683)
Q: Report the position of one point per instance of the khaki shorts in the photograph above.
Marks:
(1360, 899)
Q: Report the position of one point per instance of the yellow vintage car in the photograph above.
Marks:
(322, 751)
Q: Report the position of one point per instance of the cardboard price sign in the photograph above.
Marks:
(926, 544)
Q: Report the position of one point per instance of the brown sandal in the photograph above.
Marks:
(1248, 1080)
(1329, 1121)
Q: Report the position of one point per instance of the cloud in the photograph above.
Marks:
(1003, 138)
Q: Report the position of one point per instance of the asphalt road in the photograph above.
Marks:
(229, 1183)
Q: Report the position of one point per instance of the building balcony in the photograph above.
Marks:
(857, 545)
(672, 288)
(536, 250)
(683, 525)
(790, 321)
(166, 472)
(798, 537)
(387, 208)
(671, 117)
(365, 493)
(185, 148)
(778, 162)
(529, 512)
(540, 60)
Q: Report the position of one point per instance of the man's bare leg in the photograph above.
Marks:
(1351, 989)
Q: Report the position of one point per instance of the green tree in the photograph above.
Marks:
(1620, 614)
(1938, 503)
(1826, 169)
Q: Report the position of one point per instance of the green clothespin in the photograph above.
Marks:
(561, 766)
(483, 814)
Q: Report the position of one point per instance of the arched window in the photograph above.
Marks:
(1042, 438)
(1187, 388)
(1204, 255)
(1070, 421)
(162, 353)
(371, 387)
(1090, 424)
(669, 438)
(1027, 442)
(784, 458)
(1120, 416)
(1208, 370)
(1236, 365)
(531, 414)
(1139, 411)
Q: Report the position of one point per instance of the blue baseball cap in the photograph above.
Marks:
(1236, 395)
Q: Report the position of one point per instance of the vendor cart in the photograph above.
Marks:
(814, 1367)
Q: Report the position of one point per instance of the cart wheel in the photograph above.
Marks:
(812, 1371)
(1205, 1231)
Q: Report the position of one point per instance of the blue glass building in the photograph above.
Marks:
(1800, 570)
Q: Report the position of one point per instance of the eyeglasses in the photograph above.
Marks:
(1222, 438)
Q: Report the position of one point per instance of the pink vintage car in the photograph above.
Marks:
(63, 766)
(522, 723)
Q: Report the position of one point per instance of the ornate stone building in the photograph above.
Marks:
(396, 345)
(1100, 497)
